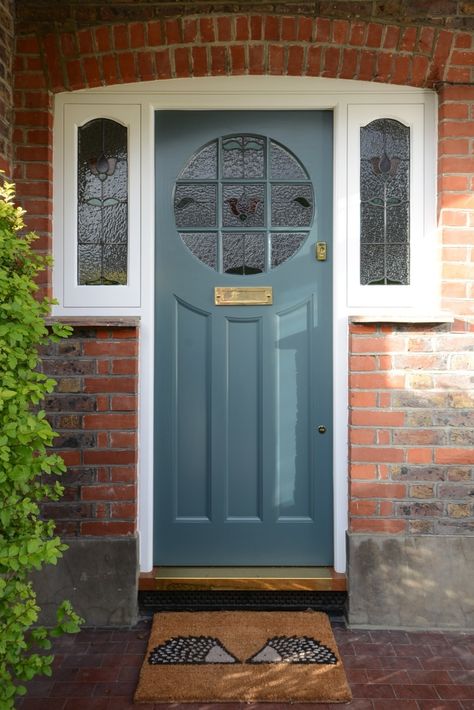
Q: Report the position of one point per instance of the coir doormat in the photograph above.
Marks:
(242, 657)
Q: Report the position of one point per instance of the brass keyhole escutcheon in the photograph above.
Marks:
(322, 429)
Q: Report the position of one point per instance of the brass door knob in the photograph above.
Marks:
(322, 429)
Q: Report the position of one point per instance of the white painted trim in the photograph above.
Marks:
(238, 93)
(288, 85)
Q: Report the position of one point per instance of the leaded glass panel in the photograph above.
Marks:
(372, 258)
(195, 205)
(243, 157)
(284, 245)
(102, 210)
(244, 253)
(203, 245)
(292, 205)
(397, 263)
(243, 204)
(284, 165)
(385, 203)
(203, 165)
(90, 258)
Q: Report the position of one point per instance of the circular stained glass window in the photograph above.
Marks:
(243, 204)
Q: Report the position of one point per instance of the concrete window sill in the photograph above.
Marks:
(96, 321)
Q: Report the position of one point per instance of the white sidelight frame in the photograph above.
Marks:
(422, 173)
(74, 295)
(350, 101)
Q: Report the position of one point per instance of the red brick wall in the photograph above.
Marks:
(196, 46)
(410, 429)
(94, 411)
(40, 14)
(456, 196)
(6, 93)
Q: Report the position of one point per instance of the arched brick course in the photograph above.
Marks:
(226, 45)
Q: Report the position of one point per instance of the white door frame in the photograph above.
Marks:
(227, 93)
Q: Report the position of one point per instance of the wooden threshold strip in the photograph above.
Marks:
(303, 579)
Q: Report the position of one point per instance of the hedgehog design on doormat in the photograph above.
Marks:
(194, 650)
(201, 650)
(294, 649)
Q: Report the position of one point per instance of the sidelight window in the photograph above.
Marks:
(101, 205)
(102, 210)
(390, 257)
(385, 203)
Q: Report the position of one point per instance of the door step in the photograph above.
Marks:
(154, 601)
(296, 579)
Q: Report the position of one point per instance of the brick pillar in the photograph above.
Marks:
(411, 430)
(94, 410)
(456, 195)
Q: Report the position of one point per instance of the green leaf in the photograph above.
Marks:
(253, 145)
(26, 541)
(184, 202)
(231, 145)
(302, 201)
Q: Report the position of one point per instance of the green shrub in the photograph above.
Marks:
(27, 471)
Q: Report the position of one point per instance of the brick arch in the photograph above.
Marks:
(238, 44)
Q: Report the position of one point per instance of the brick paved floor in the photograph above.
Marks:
(387, 670)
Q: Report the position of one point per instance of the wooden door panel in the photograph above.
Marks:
(241, 474)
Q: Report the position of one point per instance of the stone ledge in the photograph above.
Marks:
(96, 321)
(407, 316)
(98, 575)
(410, 582)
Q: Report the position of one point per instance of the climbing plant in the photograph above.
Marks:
(28, 470)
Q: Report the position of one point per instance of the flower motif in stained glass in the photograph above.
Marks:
(102, 167)
(243, 204)
(384, 165)
(384, 202)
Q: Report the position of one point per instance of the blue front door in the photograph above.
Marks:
(243, 474)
